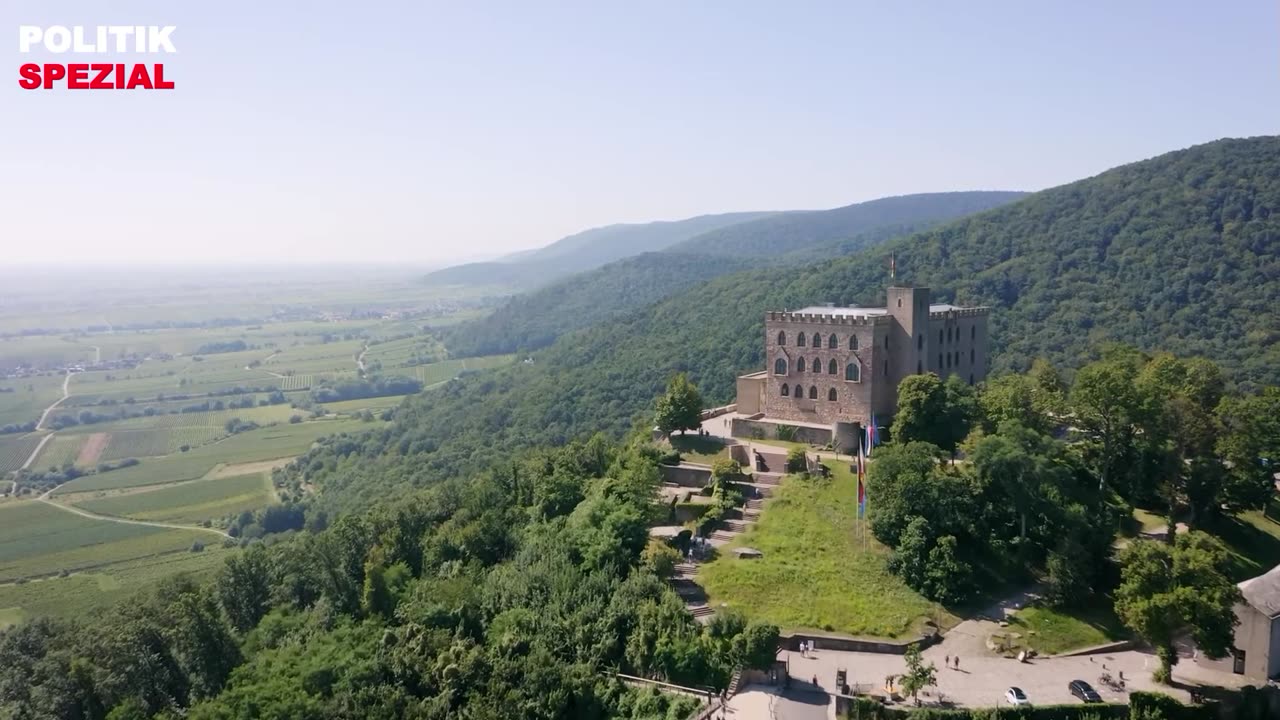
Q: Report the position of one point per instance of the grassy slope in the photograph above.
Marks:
(815, 572)
(189, 502)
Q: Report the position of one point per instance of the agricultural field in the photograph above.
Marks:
(41, 351)
(376, 404)
(449, 369)
(37, 539)
(59, 450)
(405, 352)
(267, 443)
(29, 397)
(81, 593)
(192, 502)
(14, 450)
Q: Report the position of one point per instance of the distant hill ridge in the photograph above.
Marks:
(534, 319)
(586, 250)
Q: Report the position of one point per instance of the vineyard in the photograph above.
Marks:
(60, 450)
(14, 450)
(449, 369)
(192, 502)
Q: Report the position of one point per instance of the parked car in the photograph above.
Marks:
(1015, 696)
(1084, 691)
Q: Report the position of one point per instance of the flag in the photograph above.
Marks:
(862, 486)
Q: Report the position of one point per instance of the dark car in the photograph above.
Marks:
(1084, 691)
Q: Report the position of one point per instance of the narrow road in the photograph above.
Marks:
(66, 393)
(107, 518)
(360, 358)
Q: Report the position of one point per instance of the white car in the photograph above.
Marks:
(1015, 696)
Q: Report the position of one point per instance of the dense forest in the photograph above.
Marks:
(1179, 252)
(516, 593)
(584, 251)
(535, 319)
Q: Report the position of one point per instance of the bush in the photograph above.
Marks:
(797, 460)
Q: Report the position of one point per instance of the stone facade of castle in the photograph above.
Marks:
(830, 366)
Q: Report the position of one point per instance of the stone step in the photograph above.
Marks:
(766, 478)
(701, 611)
(736, 526)
(724, 535)
(686, 567)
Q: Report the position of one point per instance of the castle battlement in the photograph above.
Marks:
(964, 312)
(825, 319)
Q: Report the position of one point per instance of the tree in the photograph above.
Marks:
(1250, 445)
(933, 411)
(680, 408)
(905, 482)
(918, 676)
(244, 588)
(1167, 588)
(756, 647)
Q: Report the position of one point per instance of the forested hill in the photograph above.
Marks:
(533, 320)
(818, 230)
(1180, 252)
(584, 251)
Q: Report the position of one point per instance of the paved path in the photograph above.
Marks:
(66, 393)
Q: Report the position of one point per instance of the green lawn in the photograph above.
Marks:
(696, 449)
(1253, 539)
(817, 571)
(1050, 631)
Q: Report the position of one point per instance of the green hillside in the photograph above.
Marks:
(584, 251)
(819, 233)
(1179, 252)
(533, 320)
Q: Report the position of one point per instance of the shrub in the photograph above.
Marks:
(797, 460)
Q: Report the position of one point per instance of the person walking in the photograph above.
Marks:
(946, 660)
(957, 662)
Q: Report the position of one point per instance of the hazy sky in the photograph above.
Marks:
(425, 131)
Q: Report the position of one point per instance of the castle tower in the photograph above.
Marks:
(909, 340)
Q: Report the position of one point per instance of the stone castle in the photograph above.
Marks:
(833, 367)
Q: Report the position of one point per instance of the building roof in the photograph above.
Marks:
(1263, 592)
(855, 311)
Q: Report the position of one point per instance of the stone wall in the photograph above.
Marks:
(958, 344)
(854, 398)
(687, 474)
(791, 641)
(745, 428)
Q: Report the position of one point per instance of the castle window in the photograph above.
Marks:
(853, 342)
(949, 358)
(852, 372)
(800, 365)
(780, 366)
(816, 365)
(886, 342)
(813, 392)
(970, 356)
(920, 342)
(831, 394)
(970, 378)
(782, 337)
(973, 332)
(800, 340)
(939, 361)
(831, 367)
(919, 368)
(957, 357)
(832, 342)
(939, 337)
(899, 302)
(886, 368)
(799, 392)
(786, 390)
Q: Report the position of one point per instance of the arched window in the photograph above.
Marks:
(899, 302)
(800, 340)
(780, 366)
(831, 367)
(786, 390)
(831, 394)
(813, 392)
(973, 332)
(782, 337)
(920, 342)
(800, 365)
(853, 342)
(799, 392)
(832, 342)
(816, 365)
(853, 373)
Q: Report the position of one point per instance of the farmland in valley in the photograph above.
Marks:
(200, 389)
